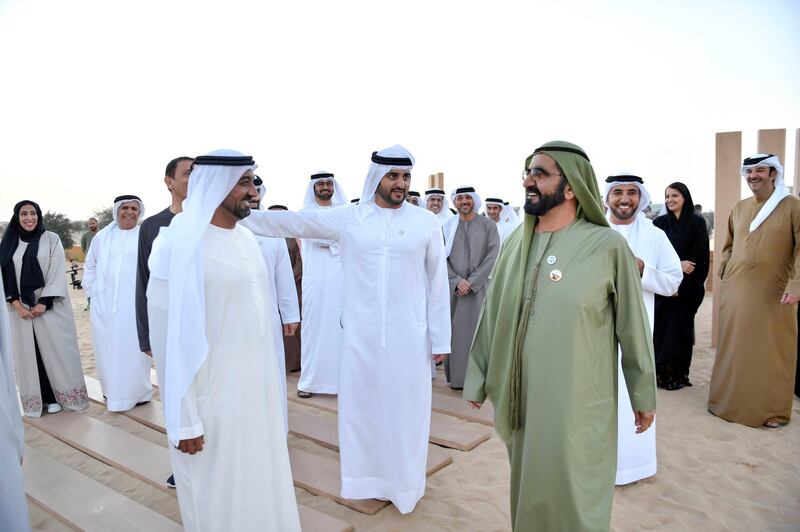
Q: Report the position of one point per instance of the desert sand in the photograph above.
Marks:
(713, 475)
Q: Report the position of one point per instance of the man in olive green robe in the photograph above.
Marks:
(565, 292)
(754, 368)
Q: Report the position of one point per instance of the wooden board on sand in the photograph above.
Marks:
(150, 414)
(324, 431)
(446, 430)
(133, 455)
(450, 401)
(141, 458)
(83, 503)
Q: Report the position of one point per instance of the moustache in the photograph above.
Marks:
(534, 189)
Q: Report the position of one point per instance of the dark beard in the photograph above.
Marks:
(546, 202)
(386, 195)
(622, 217)
(324, 195)
(241, 212)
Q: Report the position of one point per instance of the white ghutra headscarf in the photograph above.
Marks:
(780, 192)
(338, 198)
(178, 257)
(105, 240)
(383, 162)
(449, 229)
(626, 178)
(444, 213)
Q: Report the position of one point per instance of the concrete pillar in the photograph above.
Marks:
(436, 180)
(772, 141)
(726, 193)
(796, 187)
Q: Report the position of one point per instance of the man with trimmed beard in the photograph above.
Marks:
(394, 317)
(86, 238)
(754, 368)
(320, 341)
(211, 334)
(472, 244)
(565, 292)
(660, 269)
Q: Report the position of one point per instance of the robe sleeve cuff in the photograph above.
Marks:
(472, 394)
(293, 318)
(441, 349)
(793, 287)
(187, 433)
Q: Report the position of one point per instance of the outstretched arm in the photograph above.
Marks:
(322, 225)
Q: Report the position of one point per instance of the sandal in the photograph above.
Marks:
(303, 395)
(774, 423)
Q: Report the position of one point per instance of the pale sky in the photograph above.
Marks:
(96, 96)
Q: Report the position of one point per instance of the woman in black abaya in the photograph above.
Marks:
(673, 334)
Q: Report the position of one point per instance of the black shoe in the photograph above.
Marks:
(303, 395)
(171, 482)
(140, 403)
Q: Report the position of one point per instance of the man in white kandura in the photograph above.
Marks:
(320, 342)
(660, 270)
(281, 291)
(395, 315)
(436, 201)
(500, 213)
(109, 278)
(211, 334)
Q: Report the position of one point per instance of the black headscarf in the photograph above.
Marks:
(31, 277)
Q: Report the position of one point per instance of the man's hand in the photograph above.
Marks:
(438, 358)
(38, 310)
(475, 404)
(24, 313)
(148, 353)
(463, 287)
(191, 446)
(789, 299)
(290, 328)
(687, 266)
(640, 265)
(643, 420)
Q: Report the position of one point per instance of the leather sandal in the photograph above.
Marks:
(303, 395)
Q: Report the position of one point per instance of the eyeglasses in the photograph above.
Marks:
(537, 172)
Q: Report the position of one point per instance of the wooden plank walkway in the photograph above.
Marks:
(83, 503)
(320, 476)
(450, 401)
(133, 455)
(447, 430)
(150, 414)
(324, 431)
(461, 433)
(141, 458)
(314, 477)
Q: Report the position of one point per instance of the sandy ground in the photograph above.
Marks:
(713, 475)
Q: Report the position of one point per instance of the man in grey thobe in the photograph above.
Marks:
(472, 243)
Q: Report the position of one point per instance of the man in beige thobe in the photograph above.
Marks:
(754, 369)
